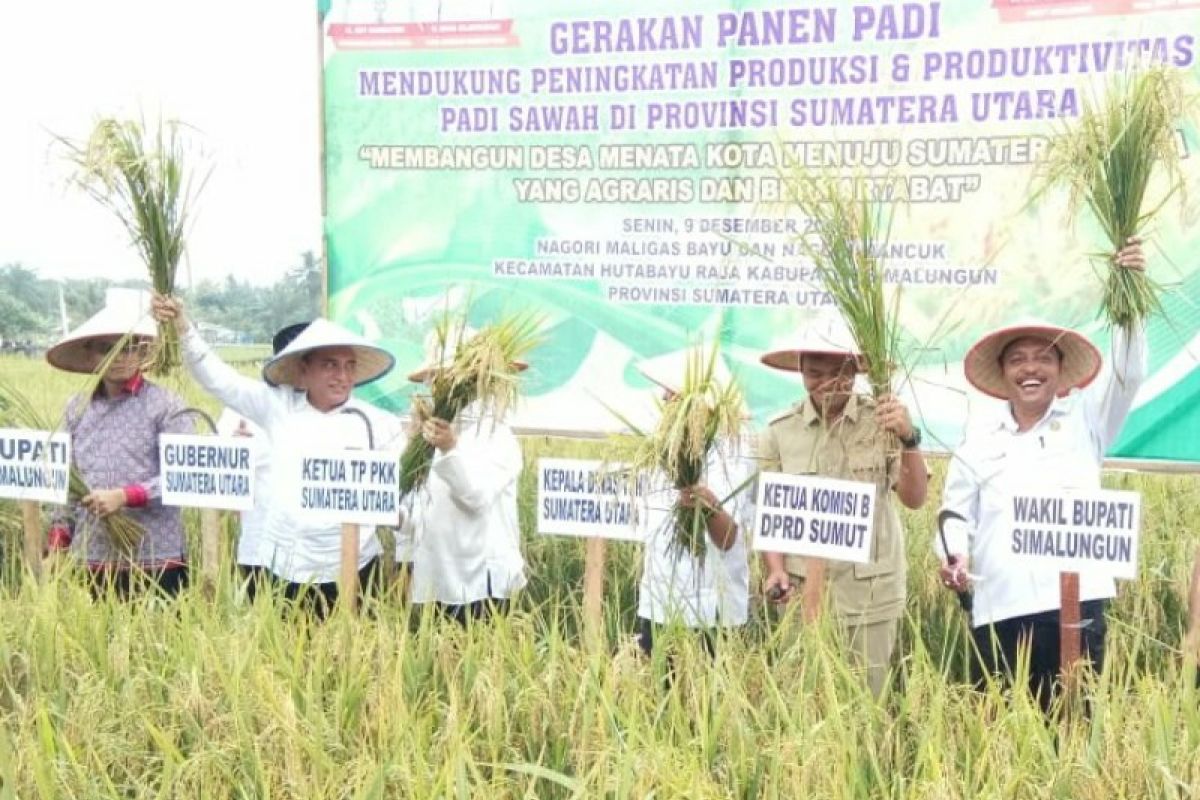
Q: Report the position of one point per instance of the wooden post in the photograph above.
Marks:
(593, 591)
(1069, 632)
(31, 520)
(348, 584)
(814, 588)
(1191, 646)
(210, 546)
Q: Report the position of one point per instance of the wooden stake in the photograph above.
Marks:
(813, 596)
(210, 546)
(348, 584)
(31, 520)
(1069, 632)
(593, 591)
(1191, 646)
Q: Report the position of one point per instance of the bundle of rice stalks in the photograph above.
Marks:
(142, 177)
(1106, 161)
(481, 369)
(848, 237)
(17, 411)
(691, 423)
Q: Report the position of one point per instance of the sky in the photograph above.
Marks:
(244, 73)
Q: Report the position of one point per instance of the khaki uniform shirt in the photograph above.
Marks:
(797, 443)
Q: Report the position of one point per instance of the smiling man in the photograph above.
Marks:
(1051, 433)
(304, 399)
(838, 433)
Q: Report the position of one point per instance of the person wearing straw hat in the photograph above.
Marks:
(1057, 419)
(464, 533)
(114, 443)
(254, 552)
(305, 396)
(677, 587)
(838, 433)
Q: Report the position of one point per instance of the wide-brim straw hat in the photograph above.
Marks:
(670, 369)
(827, 335)
(126, 311)
(1080, 359)
(439, 354)
(373, 362)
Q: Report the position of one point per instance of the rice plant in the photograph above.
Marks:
(692, 422)
(1106, 161)
(483, 369)
(146, 178)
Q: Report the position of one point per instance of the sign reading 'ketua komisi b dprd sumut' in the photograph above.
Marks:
(806, 515)
(338, 485)
(207, 471)
(1090, 532)
(34, 465)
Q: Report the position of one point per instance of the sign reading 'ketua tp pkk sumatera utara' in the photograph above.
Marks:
(345, 486)
(580, 497)
(207, 471)
(806, 515)
(1090, 532)
(34, 465)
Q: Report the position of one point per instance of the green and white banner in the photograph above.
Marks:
(617, 166)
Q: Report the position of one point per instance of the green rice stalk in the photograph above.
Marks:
(691, 423)
(483, 370)
(16, 410)
(142, 176)
(1106, 161)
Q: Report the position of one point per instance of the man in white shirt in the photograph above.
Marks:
(1052, 432)
(676, 587)
(254, 551)
(305, 400)
(466, 540)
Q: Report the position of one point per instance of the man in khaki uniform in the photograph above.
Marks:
(836, 433)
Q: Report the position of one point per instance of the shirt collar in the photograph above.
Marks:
(132, 387)
(1059, 406)
(808, 411)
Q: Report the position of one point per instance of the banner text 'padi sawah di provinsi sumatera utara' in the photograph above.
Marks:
(620, 167)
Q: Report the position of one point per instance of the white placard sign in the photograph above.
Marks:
(34, 465)
(579, 497)
(806, 515)
(339, 485)
(1090, 532)
(207, 471)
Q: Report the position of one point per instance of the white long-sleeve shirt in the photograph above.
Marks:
(466, 538)
(676, 586)
(291, 546)
(1064, 450)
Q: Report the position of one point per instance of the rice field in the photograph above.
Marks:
(212, 696)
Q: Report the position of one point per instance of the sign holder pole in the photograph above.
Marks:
(593, 590)
(1191, 646)
(348, 582)
(813, 596)
(1069, 630)
(31, 522)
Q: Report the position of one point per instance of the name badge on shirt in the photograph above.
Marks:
(1094, 531)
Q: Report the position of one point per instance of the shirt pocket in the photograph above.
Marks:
(868, 464)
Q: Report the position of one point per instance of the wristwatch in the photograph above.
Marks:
(912, 442)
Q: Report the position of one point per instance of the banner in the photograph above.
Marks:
(621, 167)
